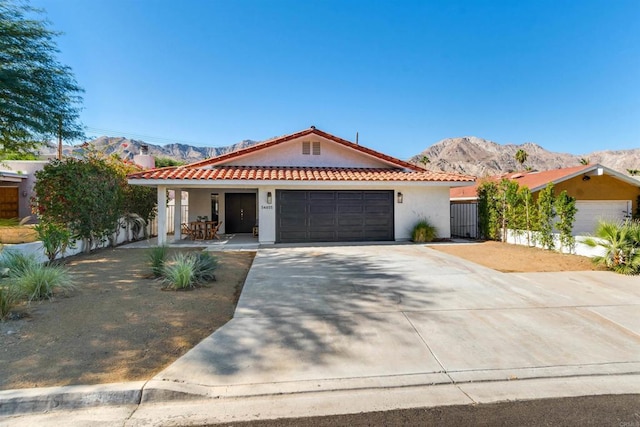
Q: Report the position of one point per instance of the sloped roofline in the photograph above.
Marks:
(213, 161)
(571, 173)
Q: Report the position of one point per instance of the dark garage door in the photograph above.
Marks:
(333, 216)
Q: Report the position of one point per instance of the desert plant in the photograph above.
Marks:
(16, 263)
(40, 281)
(8, 298)
(620, 242)
(423, 232)
(205, 266)
(179, 273)
(55, 239)
(156, 257)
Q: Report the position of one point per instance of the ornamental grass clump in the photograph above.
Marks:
(205, 267)
(179, 273)
(14, 263)
(8, 299)
(28, 277)
(423, 232)
(187, 271)
(41, 281)
(156, 257)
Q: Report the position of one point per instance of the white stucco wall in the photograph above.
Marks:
(267, 215)
(430, 203)
(290, 154)
(420, 201)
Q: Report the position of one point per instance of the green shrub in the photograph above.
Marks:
(620, 242)
(15, 263)
(156, 257)
(179, 273)
(55, 239)
(41, 281)
(423, 232)
(185, 271)
(8, 298)
(205, 266)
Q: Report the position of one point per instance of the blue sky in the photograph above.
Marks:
(562, 74)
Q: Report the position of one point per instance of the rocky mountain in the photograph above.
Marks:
(127, 148)
(480, 157)
(467, 155)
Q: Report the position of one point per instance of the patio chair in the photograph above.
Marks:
(185, 229)
(213, 231)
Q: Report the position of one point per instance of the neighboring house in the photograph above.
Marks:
(600, 193)
(17, 179)
(308, 186)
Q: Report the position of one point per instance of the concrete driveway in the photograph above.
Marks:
(350, 329)
(367, 317)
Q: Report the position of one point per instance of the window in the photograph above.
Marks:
(316, 148)
(306, 147)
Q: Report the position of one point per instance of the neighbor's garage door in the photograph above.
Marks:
(590, 212)
(333, 216)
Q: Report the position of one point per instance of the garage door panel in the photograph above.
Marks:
(349, 195)
(321, 195)
(346, 210)
(589, 213)
(340, 215)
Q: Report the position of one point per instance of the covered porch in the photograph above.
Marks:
(237, 211)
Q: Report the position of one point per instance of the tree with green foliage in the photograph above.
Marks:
(488, 216)
(584, 161)
(39, 97)
(565, 207)
(510, 206)
(163, 162)
(83, 194)
(521, 156)
(546, 214)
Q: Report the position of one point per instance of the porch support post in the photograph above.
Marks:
(177, 215)
(162, 214)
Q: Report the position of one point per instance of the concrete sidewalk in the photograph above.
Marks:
(324, 330)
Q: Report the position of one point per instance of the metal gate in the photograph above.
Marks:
(464, 220)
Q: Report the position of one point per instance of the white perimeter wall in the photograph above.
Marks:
(521, 238)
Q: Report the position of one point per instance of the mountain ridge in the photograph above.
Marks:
(469, 155)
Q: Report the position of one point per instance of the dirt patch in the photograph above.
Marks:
(117, 325)
(515, 258)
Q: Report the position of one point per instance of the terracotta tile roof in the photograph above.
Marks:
(533, 180)
(283, 173)
(312, 130)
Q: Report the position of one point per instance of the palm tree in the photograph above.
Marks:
(633, 172)
(620, 243)
(584, 161)
(425, 160)
(521, 156)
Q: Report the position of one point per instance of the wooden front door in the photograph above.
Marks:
(9, 202)
(240, 212)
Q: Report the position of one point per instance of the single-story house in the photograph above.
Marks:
(600, 193)
(16, 187)
(308, 186)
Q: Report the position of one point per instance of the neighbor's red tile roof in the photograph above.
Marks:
(284, 173)
(531, 180)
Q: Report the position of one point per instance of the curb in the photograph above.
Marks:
(38, 400)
